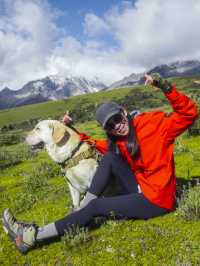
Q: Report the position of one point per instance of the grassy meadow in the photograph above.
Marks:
(35, 190)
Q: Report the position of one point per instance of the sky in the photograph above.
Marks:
(105, 39)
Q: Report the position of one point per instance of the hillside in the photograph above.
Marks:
(54, 87)
(34, 188)
(82, 108)
(36, 191)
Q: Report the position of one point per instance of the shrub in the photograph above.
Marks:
(75, 237)
(47, 169)
(9, 139)
(12, 157)
(38, 177)
(24, 201)
(24, 152)
(189, 204)
(180, 147)
(35, 185)
(34, 181)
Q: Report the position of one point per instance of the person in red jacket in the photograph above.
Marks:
(139, 153)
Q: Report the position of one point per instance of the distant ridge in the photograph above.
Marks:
(53, 87)
(175, 69)
(56, 87)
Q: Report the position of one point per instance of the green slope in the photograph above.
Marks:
(36, 191)
(83, 107)
(33, 187)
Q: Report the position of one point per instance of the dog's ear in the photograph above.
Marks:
(58, 133)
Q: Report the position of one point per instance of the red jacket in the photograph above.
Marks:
(156, 131)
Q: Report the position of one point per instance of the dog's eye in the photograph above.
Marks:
(37, 128)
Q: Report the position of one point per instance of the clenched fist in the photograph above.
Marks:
(67, 119)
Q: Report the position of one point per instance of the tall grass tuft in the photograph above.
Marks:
(189, 204)
(76, 236)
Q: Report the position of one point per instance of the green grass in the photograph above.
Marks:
(168, 240)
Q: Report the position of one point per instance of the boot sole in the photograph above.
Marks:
(7, 230)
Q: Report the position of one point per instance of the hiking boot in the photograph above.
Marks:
(22, 234)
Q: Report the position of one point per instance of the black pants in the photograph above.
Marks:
(129, 205)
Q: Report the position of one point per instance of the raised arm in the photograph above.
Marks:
(184, 113)
(184, 110)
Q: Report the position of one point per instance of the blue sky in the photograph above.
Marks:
(104, 39)
(74, 12)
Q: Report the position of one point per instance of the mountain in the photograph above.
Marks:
(57, 87)
(175, 69)
(49, 88)
(133, 79)
(178, 69)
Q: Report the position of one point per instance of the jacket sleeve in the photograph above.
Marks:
(101, 145)
(183, 115)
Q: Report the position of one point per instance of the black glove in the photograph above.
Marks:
(161, 83)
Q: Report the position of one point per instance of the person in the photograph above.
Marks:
(139, 153)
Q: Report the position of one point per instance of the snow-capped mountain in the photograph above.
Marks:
(49, 88)
(175, 69)
(178, 69)
(57, 87)
(133, 79)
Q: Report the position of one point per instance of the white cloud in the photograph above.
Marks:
(157, 31)
(144, 34)
(147, 33)
(89, 60)
(27, 37)
(93, 25)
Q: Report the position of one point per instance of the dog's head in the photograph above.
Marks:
(49, 132)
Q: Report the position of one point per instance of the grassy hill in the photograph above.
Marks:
(34, 188)
(83, 107)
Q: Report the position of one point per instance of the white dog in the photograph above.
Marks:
(63, 144)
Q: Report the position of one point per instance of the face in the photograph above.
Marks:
(118, 125)
(47, 131)
(39, 134)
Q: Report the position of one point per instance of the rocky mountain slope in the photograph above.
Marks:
(57, 87)
(50, 88)
(175, 69)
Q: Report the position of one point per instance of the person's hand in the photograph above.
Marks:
(148, 80)
(67, 119)
(156, 81)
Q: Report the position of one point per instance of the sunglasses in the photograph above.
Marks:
(113, 121)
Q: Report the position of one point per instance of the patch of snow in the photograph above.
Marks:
(37, 84)
(59, 88)
(183, 69)
(78, 92)
(52, 98)
(20, 96)
(60, 80)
